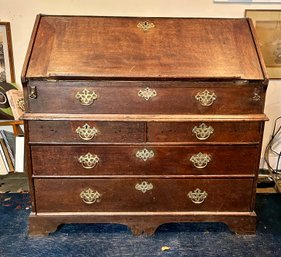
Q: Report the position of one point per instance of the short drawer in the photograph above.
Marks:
(121, 97)
(142, 195)
(144, 160)
(86, 131)
(204, 132)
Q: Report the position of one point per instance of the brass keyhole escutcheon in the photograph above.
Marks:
(86, 132)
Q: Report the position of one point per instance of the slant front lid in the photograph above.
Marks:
(107, 47)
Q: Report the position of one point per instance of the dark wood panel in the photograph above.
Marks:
(178, 47)
(222, 160)
(62, 195)
(123, 98)
(221, 131)
(66, 131)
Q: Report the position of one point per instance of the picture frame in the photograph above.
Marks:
(248, 1)
(267, 25)
(7, 71)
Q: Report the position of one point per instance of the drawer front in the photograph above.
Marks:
(203, 132)
(86, 131)
(138, 195)
(144, 98)
(144, 160)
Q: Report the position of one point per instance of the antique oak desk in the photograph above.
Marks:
(143, 121)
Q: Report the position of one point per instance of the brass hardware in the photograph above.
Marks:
(197, 196)
(145, 154)
(147, 93)
(203, 132)
(20, 103)
(256, 96)
(88, 160)
(32, 92)
(86, 97)
(242, 82)
(200, 160)
(144, 186)
(86, 132)
(89, 196)
(145, 25)
(206, 98)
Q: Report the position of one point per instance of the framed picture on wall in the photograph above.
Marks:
(7, 72)
(248, 1)
(268, 30)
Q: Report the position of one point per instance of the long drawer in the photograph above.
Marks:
(144, 97)
(144, 160)
(132, 195)
(138, 132)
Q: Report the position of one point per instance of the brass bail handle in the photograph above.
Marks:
(197, 196)
(86, 97)
(203, 132)
(90, 196)
(200, 160)
(206, 98)
(89, 161)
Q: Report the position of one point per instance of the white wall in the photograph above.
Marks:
(22, 14)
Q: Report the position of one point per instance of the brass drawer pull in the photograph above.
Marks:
(144, 186)
(145, 25)
(200, 160)
(86, 132)
(89, 196)
(257, 96)
(144, 154)
(206, 98)
(86, 97)
(88, 160)
(32, 92)
(203, 131)
(147, 93)
(197, 196)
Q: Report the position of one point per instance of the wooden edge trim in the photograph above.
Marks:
(149, 118)
(29, 49)
(10, 52)
(28, 168)
(193, 213)
(261, 60)
(162, 176)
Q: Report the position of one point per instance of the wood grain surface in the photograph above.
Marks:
(167, 160)
(115, 47)
(122, 98)
(63, 195)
